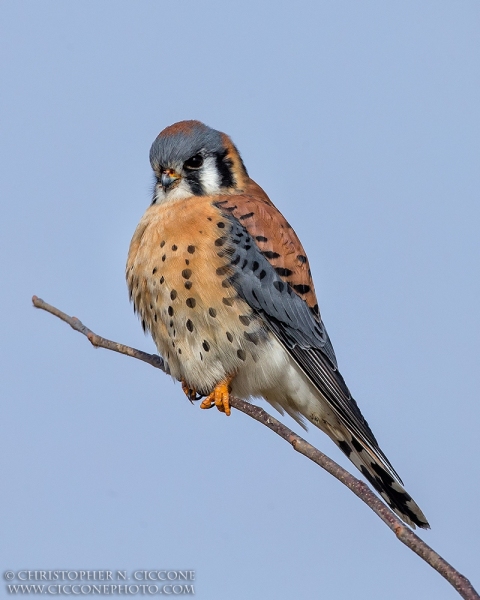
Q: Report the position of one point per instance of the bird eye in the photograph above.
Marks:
(194, 162)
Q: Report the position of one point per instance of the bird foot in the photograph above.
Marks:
(190, 393)
(220, 397)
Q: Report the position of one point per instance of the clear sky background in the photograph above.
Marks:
(361, 121)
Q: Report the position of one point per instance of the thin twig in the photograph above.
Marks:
(360, 489)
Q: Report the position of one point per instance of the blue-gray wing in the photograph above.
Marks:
(296, 326)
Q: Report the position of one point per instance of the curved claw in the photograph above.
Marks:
(191, 393)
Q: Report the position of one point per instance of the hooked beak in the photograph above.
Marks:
(167, 178)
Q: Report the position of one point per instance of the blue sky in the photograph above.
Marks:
(361, 121)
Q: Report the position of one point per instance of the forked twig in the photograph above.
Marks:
(360, 489)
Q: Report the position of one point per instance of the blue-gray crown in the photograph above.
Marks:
(178, 142)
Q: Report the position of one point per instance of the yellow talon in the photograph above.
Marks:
(220, 397)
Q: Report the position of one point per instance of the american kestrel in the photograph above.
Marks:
(222, 282)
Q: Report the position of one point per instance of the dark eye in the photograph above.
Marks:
(194, 162)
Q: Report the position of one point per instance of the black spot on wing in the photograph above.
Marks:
(302, 289)
(344, 447)
(271, 254)
(260, 285)
(283, 272)
(356, 444)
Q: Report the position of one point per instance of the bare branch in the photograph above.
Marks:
(360, 489)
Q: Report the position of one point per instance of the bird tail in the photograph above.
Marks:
(377, 470)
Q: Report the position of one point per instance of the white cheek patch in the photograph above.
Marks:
(209, 176)
(180, 191)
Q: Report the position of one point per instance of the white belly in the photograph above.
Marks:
(280, 381)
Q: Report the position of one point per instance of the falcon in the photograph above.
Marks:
(221, 281)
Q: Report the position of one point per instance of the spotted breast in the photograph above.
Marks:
(179, 277)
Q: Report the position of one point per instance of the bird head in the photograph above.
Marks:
(192, 159)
